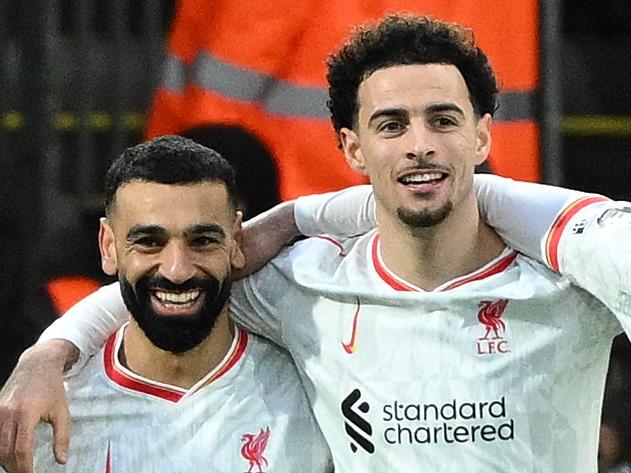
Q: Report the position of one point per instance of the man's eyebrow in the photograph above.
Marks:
(387, 112)
(445, 107)
(140, 230)
(205, 228)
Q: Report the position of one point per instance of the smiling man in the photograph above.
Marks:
(418, 136)
(426, 344)
(180, 388)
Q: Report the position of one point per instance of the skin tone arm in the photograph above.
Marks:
(265, 235)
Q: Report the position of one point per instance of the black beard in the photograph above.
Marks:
(175, 334)
(423, 218)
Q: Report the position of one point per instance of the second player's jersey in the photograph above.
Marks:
(249, 414)
(501, 370)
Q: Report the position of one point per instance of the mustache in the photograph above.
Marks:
(421, 164)
(160, 282)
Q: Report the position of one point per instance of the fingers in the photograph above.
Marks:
(60, 420)
(24, 435)
(7, 439)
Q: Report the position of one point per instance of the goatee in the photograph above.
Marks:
(419, 219)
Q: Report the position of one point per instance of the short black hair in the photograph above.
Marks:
(403, 39)
(169, 160)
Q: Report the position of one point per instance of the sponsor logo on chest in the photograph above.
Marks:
(423, 424)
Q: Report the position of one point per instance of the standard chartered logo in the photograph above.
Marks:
(451, 422)
(357, 428)
(455, 421)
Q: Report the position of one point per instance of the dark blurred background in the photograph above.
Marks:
(76, 81)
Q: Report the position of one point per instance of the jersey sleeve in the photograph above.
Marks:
(590, 243)
(523, 212)
(346, 213)
(90, 322)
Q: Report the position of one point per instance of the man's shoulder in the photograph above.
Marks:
(544, 280)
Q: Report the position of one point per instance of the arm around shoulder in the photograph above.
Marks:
(522, 213)
(90, 322)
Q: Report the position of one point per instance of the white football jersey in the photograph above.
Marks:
(500, 370)
(249, 414)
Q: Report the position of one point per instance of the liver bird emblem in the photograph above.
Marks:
(490, 315)
(253, 448)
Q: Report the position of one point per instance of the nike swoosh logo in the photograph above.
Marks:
(351, 346)
(108, 460)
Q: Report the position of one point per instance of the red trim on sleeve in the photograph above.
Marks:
(559, 225)
(335, 242)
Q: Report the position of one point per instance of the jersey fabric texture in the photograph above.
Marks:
(248, 414)
(500, 370)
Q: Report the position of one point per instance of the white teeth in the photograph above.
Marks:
(177, 298)
(420, 178)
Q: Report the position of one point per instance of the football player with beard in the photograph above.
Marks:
(180, 388)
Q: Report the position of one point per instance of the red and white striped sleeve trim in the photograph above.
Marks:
(551, 245)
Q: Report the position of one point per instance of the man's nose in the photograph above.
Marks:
(420, 142)
(176, 263)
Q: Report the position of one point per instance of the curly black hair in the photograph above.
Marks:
(403, 39)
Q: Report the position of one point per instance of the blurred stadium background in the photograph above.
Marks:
(77, 78)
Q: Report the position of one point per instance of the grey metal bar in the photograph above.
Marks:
(550, 96)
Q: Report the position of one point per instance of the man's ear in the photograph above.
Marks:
(107, 246)
(483, 138)
(352, 150)
(237, 259)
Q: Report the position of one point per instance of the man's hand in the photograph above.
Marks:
(35, 393)
(265, 235)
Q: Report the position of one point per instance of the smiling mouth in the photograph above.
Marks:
(176, 303)
(421, 178)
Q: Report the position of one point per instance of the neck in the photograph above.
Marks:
(183, 369)
(430, 257)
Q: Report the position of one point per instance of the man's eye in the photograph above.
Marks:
(203, 241)
(391, 127)
(147, 242)
(445, 121)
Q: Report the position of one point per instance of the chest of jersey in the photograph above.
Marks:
(254, 418)
(510, 378)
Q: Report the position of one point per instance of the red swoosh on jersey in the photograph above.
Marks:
(108, 460)
(351, 346)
